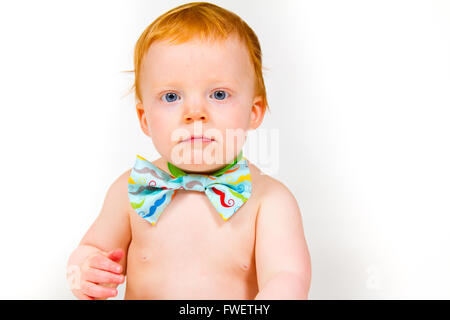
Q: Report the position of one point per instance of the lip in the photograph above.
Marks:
(198, 139)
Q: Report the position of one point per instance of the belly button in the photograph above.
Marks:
(145, 258)
(244, 267)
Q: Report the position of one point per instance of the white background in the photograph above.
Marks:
(360, 94)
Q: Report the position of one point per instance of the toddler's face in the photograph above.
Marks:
(198, 89)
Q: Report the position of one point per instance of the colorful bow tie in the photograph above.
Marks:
(151, 189)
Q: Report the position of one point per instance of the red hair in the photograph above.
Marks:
(206, 21)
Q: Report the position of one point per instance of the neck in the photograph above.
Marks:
(177, 172)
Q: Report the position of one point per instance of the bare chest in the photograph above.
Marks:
(190, 242)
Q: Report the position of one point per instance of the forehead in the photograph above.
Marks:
(197, 60)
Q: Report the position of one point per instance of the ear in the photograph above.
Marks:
(257, 113)
(142, 119)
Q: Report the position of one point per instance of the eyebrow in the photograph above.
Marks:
(176, 84)
(215, 81)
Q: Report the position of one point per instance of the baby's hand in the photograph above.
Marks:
(100, 274)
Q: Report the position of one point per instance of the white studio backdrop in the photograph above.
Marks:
(360, 96)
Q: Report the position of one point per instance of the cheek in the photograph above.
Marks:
(157, 117)
(235, 119)
(234, 128)
(161, 125)
(160, 130)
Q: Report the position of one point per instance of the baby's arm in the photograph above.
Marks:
(281, 253)
(97, 264)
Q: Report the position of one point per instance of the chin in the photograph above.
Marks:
(185, 155)
(200, 163)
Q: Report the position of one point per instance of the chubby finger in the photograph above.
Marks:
(116, 254)
(97, 291)
(103, 263)
(101, 276)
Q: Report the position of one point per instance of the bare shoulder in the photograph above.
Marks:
(122, 179)
(121, 182)
(117, 194)
(278, 209)
(269, 190)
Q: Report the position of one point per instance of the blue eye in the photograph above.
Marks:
(171, 96)
(221, 94)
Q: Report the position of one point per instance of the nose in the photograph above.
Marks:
(195, 115)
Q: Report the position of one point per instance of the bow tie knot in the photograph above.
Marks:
(197, 182)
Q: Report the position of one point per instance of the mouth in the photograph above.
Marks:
(198, 139)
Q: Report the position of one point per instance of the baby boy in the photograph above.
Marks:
(200, 222)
